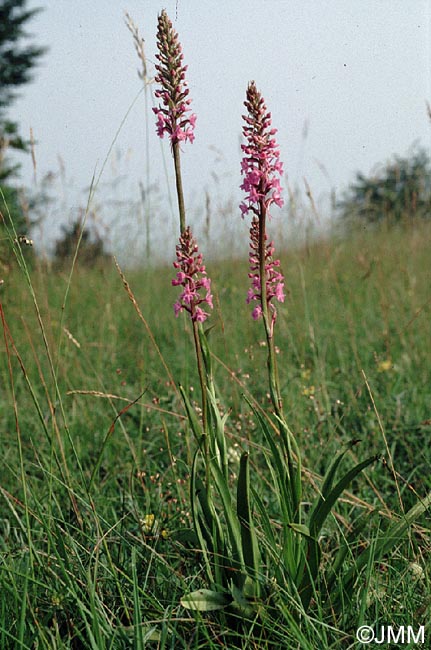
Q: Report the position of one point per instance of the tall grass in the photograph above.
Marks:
(82, 562)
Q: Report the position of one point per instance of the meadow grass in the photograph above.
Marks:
(95, 507)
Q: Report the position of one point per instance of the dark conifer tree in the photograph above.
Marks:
(18, 58)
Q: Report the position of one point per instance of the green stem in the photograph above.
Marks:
(201, 372)
(203, 384)
(271, 361)
(199, 356)
(274, 383)
(179, 186)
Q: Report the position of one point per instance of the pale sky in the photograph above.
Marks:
(353, 74)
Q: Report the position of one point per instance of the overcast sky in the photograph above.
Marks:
(346, 81)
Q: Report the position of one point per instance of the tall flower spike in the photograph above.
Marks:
(172, 114)
(260, 166)
(261, 169)
(191, 275)
(273, 277)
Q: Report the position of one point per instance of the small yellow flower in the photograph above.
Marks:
(308, 391)
(306, 374)
(151, 526)
(385, 365)
(148, 523)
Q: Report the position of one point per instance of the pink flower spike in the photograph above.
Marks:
(261, 170)
(260, 166)
(172, 113)
(193, 278)
(273, 277)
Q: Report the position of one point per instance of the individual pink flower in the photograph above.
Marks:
(172, 114)
(260, 166)
(273, 277)
(191, 275)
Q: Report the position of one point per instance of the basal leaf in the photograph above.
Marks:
(205, 600)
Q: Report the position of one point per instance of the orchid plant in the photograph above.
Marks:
(247, 553)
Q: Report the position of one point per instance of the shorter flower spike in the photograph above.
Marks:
(260, 166)
(172, 115)
(274, 277)
(191, 275)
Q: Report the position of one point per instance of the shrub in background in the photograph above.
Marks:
(90, 246)
(398, 190)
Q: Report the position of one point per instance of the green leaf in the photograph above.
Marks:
(308, 568)
(277, 460)
(202, 532)
(292, 449)
(206, 354)
(205, 600)
(244, 599)
(248, 534)
(230, 516)
(191, 415)
(346, 548)
(218, 553)
(265, 522)
(325, 505)
(219, 449)
(329, 478)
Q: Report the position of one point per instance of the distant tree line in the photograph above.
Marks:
(399, 190)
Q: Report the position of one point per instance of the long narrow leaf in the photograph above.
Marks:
(309, 566)
(191, 414)
(295, 483)
(203, 536)
(265, 523)
(248, 534)
(308, 570)
(219, 449)
(346, 548)
(213, 532)
(231, 519)
(206, 354)
(318, 517)
(329, 479)
(277, 459)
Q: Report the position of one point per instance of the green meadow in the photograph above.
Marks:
(97, 448)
